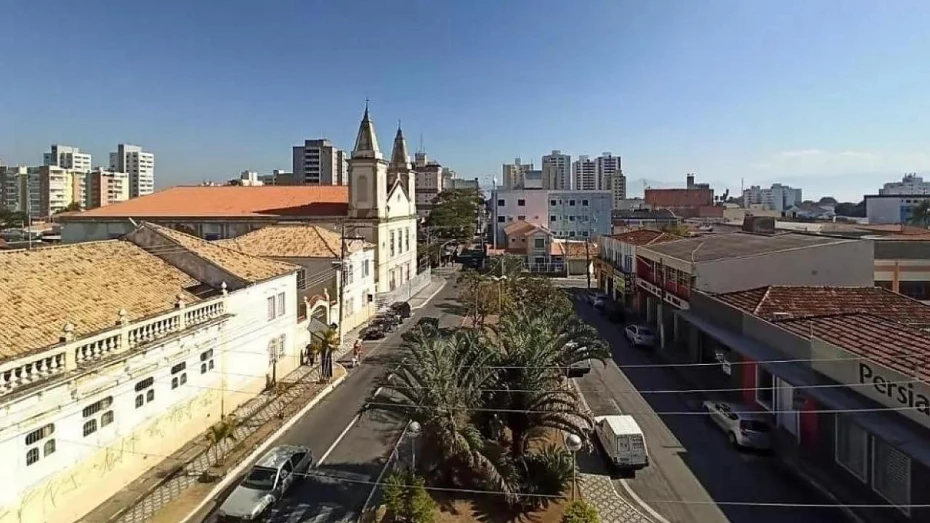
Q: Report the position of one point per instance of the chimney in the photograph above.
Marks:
(690, 179)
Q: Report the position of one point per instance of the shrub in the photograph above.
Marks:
(580, 511)
(547, 472)
(407, 500)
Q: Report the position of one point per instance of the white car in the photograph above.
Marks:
(640, 336)
(745, 426)
(266, 483)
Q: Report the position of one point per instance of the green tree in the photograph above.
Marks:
(10, 219)
(407, 499)
(454, 214)
(920, 214)
(580, 511)
(223, 430)
(324, 344)
(853, 210)
(482, 295)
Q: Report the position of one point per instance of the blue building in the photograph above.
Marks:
(580, 214)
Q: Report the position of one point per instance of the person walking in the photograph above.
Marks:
(356, 353)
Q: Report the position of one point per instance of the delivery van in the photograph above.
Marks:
(622, 441)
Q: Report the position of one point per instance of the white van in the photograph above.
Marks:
(622, 440)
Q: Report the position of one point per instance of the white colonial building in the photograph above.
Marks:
(116, 353)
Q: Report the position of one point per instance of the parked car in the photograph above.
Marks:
(622, 440)
(428, 321)
(640, 336)
(389, 319)
(374, 332)
(266, 483)
(402, 308)
(744, 425)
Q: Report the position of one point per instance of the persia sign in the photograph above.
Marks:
(896, 389)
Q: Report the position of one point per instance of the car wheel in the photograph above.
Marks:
(732, 438)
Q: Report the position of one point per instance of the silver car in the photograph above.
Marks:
(744, 426)
(266, 483)
(640, 336)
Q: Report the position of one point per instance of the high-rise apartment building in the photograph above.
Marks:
(41, 191)
(67, 157)
(556, 171)
(610, 176)
(584, 175)
(13, 188)
(776, 198)
(105, 187)
(514, 174)
(138, 164)
(319, 162)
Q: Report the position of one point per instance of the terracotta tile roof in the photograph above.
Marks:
(292, 241)
(521, 226)
(645, 237)
(884, 341)
(228, 202)
(575, 249)
(85, 284)
(803, 302)
(246, 266)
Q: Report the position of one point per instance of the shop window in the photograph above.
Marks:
(851, 447)
(765, 387)
(891, 474)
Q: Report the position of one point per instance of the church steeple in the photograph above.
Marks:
(366, 143)
(400, 160)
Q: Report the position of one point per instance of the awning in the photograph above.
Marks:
(889, 426)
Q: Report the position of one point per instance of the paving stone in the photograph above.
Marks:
(599, 491)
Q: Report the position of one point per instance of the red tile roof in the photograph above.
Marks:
(886, 342)
(228, 202)
(645, 237)
(576, 249)
(804, 302)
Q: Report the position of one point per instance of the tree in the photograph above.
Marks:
(920, 214)
(853, 210)
(71, 207)
(580, 511)
(677, 229)
(10, 219)
(325, 344)
(828, 200)
(482, 295)
(454, 214)
(220, 432)
(407, 499)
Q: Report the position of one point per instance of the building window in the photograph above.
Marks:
(539, 243)
(106, 419)
(500, 219)
(552, 218)
(571, 218)
(48, 448)
(584, 203)
(407, 239)
(551, 202)
(90, 427)
(765, 383)
(281, 307)
(500, 203)
(39, 434)
(851, 447)
(571, 203)
(270, 308)
(366, 269)
(140, 388)
(302, 279)
(178, 376)
(521, 203)
(32, 455)
(350, 274)
(206, 361)
(96, 407)
(891, 474)
(392, 243)
(276, 348)
(521, 217)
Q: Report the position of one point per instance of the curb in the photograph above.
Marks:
(234, 473)
(391, 457)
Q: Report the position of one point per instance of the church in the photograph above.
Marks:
(382, 209)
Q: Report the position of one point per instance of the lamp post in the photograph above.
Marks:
(414, 430)
(573, 444)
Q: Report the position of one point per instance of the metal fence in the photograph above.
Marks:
(404, 292)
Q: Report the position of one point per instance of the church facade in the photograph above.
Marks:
(382, 209)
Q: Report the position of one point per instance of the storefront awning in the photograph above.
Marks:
(889, 426)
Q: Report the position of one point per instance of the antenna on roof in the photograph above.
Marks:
(421, 144)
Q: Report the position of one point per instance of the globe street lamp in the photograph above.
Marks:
(414, 430)
(573, 443)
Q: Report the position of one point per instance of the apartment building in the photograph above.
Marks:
(104, 187)
(893, 208)
(909, 184)
(610, 176)
(557, 171)
(566, 214)
(319, 162)
(513, 174)
(67, 157)
(584, 175)
(140, 166)
(430, 181)
(778, 197)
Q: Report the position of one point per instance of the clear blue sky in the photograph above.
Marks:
(829, 95)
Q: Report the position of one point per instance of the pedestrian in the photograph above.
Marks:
(311, 355)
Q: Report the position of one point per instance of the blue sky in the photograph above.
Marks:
(828, 95)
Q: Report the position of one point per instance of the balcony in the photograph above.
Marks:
(82, 354)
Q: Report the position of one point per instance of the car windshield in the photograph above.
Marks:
(260, 478)
(754, 425)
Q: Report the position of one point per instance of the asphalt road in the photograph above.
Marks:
(351, 449)
(691, 458)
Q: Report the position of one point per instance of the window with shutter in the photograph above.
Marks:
(891, 474)
(852, 447)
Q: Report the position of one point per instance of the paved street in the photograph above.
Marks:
(691, 458)
(352, 449)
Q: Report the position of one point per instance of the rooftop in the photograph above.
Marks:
(249, 267)
(291, 241)
(645, 237)
(522, 227)
(879, 339)
(739, 245)
(778, 303)
(643, 214)
(85, 284)
(573, 249)
(228, 201)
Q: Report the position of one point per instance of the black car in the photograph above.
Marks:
(401, 308)
(387, 323)
(374, 332)
(428, 321)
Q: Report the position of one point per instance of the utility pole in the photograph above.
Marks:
(326, 370)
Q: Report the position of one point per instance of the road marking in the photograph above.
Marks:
(645, 506)
(343, 434)
(616, 406)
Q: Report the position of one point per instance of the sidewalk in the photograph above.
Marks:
(599, 490)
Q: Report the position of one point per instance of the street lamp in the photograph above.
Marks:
(414, 430)
(573, 444)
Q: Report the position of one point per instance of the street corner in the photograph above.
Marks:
(599, 490)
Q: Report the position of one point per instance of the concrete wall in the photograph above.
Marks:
(843, 264)
(85, 470)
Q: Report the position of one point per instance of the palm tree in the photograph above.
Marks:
(920, 213)
(220, 432)
(324, 344)
(439, 385)
(536, 346)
